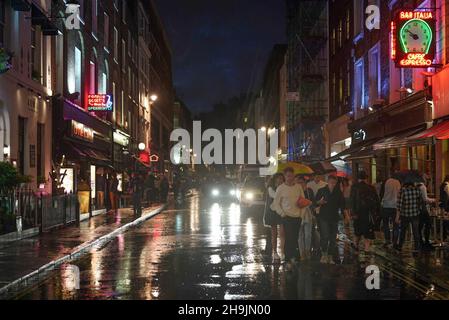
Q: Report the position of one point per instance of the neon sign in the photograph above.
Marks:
(99, 102)
(413, 39)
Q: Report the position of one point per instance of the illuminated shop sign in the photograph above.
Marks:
(413, 39)
(79, 130)
(99, 102)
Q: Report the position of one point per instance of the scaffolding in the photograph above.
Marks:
(307, 31)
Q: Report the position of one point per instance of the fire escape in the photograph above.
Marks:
(308, 73)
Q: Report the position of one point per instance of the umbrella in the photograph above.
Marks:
(339, 174)
(409, 176)
(299, 168)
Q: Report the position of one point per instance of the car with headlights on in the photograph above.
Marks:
(252, 193)
(221, 189)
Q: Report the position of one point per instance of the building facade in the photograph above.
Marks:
(26, 84)
(307, 64)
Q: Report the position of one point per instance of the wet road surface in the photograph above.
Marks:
(204, 250)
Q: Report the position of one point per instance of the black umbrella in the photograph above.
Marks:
(409, 177)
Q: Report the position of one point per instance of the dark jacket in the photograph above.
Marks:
(364, 199)
(334, 203)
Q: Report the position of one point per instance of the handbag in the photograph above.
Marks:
(303, 203)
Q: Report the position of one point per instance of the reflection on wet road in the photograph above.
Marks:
(201, 250)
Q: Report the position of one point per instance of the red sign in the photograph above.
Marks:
(99, 102)
(413, 39)
(154, 158)
(144, 157)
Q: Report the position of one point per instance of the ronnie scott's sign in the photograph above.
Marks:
(99, 102)
(413, 39)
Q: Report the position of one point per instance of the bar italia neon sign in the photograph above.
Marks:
(413, 39)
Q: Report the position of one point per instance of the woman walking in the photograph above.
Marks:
(305, 232)
(272, 219)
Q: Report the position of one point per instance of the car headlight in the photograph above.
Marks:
(249, 196)
(215, 192)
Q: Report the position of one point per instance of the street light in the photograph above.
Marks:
(141, 146)
(153, 97)
(263, 129)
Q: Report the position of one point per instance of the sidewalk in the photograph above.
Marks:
(21, 258)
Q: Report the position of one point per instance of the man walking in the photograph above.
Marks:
(331, 202)
(410, 204)
(365, 205)
(316, 184)
(137, 193)
(389, 195)
(285, 204)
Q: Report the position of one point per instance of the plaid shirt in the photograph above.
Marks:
(410, 201)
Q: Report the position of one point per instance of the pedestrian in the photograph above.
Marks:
(444, 202)
(389, 198)
(100, 185)
(307, 222)
(113, 191)
(346, 187)
(330, 201)
(136, 191)
(365, 206)
(272, 219)
(425, 222)
(285, 203)
(164, 187)
(316, 184)
(410, 202)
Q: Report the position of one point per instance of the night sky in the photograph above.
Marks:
(220, 47)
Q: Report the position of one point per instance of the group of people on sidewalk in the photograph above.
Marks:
(305, 215)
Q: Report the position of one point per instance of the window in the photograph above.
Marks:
(115, 44)
(74, 74)
(340, 33)
(116, 4)
(340, 86)
(104, 83)
(114, 99)
(106, 30)
(92, 78)
(348, 78)
(94, 16)
(359, 84)
(122, 108)
(124, 11)
(358, 17)
(374, 74)
(36, 53)
(333, 41)
(2, 23)
(81, 2)
(40, 153)
(334, 90)
(123, 55)
(348, 24)
(130, 43)
(21, 149)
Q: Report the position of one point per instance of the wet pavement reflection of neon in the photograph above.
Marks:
(204, 250)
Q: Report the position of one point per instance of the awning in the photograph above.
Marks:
(439, 131)
(357, 151)
(322, 167)
(80, 153)
(405, 139)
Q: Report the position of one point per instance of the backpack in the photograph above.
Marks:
(366, 198)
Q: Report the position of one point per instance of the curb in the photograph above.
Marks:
(76, 253)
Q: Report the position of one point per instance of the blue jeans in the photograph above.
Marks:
(305, 238)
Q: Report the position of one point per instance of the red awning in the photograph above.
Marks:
(439, 131)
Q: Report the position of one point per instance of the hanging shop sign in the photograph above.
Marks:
(5, 61)
(154, 158)
(121, 138)
(413, 39)
(144, 157)
(79, 130)
(99, 102)
(359, 135)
